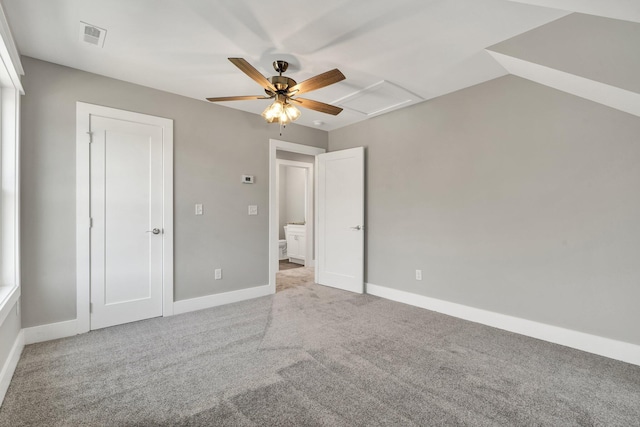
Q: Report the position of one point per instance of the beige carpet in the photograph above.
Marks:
(315, 356)
(286, 279)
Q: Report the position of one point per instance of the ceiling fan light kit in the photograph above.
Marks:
(281, 112)
(285, 90)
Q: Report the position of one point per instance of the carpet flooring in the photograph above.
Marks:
(316, 356)
(289, 278)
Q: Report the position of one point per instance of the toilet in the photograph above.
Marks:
(282, 249)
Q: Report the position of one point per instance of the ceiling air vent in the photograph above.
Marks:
(92, 34)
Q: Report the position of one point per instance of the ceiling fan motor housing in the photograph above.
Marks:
(281, 83)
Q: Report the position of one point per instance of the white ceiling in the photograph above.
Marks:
(425, 47)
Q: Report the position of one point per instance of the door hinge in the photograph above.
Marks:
(90, 307)
(90, 222)
(90, 137)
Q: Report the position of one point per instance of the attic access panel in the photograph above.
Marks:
(378, 98)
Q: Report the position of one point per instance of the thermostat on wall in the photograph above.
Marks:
(247, 179)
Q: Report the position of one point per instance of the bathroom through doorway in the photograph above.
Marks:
(294, 183)
(291, 214)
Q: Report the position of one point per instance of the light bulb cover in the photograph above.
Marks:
(291, 112)
(281, 112)
(273, 112)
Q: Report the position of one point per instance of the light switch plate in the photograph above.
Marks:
(198, 208)
(253, 209)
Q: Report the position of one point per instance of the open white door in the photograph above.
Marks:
(340, 258)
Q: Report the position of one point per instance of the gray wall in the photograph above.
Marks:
(214, 146)
(291, 196)
(296, 157)
(9, 330)
(511, 197)
(295, 193)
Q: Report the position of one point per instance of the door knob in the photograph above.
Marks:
(358, 227)
(154, 231)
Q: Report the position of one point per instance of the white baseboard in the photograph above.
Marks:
(10, 365)
(69, 328)
(607, 347)
(51, 331)
(193, 304)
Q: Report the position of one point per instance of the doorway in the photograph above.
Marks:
(294, 199)
(295, 244)
(125, 193)
(338, 222)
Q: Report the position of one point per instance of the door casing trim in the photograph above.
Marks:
(84, 112)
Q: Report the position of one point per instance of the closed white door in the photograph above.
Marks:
(341, 219)
(127, 216)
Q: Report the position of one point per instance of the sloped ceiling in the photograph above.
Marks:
(627, 10)
(426, 48)
(589, 56)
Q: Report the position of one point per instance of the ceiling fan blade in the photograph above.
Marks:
(238, 98)
(318, 106)
(250, 71)
(317, 82)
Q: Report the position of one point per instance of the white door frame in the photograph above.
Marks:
(275, 145)
(83, 200)
(308, 206)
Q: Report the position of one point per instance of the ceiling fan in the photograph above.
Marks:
(285, 90)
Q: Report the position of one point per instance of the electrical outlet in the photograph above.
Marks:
(418, 274)
(218, 274)
(253, 210)
(198, 208)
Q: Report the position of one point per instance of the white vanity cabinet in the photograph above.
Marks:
(296, 242)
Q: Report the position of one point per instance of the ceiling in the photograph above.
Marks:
(399, 53)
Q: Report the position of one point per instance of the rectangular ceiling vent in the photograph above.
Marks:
(379, 98)
(92, 35)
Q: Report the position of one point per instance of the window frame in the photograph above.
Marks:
(10, 91)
